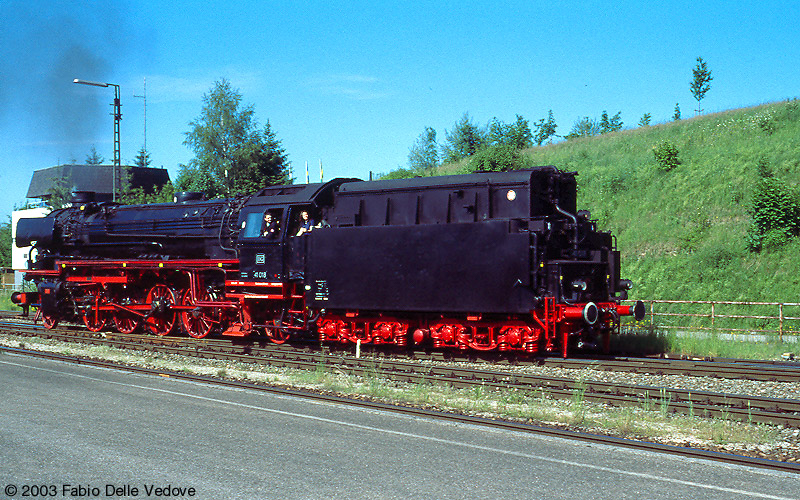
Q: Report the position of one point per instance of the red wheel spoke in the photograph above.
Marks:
(161, 319)
(197, 323)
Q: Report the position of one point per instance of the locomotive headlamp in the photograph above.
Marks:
(625, 284)
(579, 285)
(511, 195)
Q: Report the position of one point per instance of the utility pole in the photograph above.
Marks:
(144, 97)
(117, 114)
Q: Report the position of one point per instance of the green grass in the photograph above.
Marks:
(5, 301)
(682, 232)
(648, 341)
(715, 346)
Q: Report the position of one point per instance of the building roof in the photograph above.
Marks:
(96, 178)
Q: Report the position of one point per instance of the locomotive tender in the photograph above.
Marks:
(497, 261)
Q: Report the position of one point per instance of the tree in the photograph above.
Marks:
(545, 129)
(677, 115)
(231, 155)
(645, 120)
(464, 140)
(520, 135)
(610, 125)
(424, 154)
(585, 127)
(142, 158)
(516, 135)
(604, 123)
(498, 158)
(5, 243)
(268, 166)
(615, 124)
(138, 195)
(94, 158)
(701, 82)
(59, 194)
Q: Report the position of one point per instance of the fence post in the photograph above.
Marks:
(712, 317)
(780, 322)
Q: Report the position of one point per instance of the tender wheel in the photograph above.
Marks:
(196, 322)
(161, 319)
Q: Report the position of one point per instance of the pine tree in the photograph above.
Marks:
(94, 158)
(677, 115)
(142, 158)
(464, 140)
(520, 134)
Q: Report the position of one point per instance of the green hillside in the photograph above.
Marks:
(683, 232)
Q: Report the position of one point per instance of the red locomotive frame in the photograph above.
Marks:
(161, 296)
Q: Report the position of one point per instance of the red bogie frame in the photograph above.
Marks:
(198, 295)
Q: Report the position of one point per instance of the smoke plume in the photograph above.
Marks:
(42, 51)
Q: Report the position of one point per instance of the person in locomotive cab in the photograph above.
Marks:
(306, 223)
(270, 226)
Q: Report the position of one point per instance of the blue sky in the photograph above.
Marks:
(353, 84)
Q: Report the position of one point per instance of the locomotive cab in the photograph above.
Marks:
(275, 225)
(261, 244)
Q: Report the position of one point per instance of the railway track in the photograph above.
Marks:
(746, 408)
(791, 467)
(740, 369)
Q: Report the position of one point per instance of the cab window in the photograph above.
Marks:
(252, 225)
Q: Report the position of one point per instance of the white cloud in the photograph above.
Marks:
(351, 86)
(169, 88)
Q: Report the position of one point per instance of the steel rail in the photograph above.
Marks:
(741, 369)
(791, 467)
(753, 409)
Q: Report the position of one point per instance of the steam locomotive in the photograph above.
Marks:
(496, 261)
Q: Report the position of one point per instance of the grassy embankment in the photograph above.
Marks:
(682, 233)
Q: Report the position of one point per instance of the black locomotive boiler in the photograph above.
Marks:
(485, 261)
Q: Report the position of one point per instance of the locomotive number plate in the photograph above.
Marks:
(321, 292)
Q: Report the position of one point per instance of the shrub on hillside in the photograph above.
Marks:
(498, 159)
(666, 155)
(398, 173)
(776, 212)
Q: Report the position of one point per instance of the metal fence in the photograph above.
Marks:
(781, 318)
